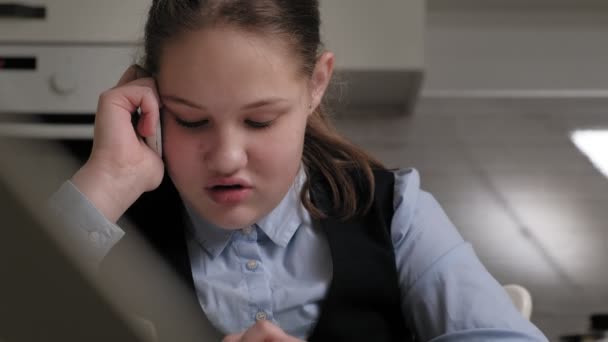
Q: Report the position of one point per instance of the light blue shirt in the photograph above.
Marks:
(280, 268)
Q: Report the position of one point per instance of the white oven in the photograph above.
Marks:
(50, 91)
(48, 97)
(56, 57)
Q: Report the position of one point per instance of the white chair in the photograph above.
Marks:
(521, 298)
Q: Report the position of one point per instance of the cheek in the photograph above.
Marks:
(281, 149)
(179, 149)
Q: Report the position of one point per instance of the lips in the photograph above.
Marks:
(228, 191)
(227, 187)
(228, 182)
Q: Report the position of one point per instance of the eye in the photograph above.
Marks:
(191, 124)
(258, 124)
(184, 123)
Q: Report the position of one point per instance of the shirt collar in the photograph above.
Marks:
(279, 225)
(211, 237)
(282, 222)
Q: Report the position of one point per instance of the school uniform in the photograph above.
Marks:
(399, 273)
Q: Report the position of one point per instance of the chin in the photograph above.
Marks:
(234, 220)
(233, 224)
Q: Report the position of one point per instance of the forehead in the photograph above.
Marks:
(216, 64)
(225, 49)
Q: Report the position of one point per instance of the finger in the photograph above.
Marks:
(141, 72)
(263, 331)
(233, 338)
(132, 73)
(147, 123)
(150, 108)
(150, 114)
(129, 75)
(129, 98)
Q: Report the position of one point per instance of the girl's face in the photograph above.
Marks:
(235, 108)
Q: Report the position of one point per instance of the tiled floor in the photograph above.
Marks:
(505, 171)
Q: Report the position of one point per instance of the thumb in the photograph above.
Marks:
(233, 337)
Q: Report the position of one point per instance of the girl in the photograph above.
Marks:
(283, 229)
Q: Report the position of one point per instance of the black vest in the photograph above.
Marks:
(363, 302)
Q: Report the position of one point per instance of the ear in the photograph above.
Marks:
(321, 76)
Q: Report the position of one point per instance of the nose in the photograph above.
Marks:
(226, 154)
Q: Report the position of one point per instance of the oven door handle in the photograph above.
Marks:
(47, 131)
(13, 10)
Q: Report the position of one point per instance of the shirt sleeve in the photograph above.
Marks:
(446, 293)
(84, 222)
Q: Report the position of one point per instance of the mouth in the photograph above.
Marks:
(229, 193)
(227, 187)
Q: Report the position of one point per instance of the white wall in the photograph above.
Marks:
(533, 45)
(375, 35)
(88, 21)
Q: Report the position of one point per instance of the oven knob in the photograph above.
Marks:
(63, 83)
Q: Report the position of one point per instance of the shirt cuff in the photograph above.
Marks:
(84, 222)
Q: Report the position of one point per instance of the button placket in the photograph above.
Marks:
(254, 275)
(261, 316)
(252, 265)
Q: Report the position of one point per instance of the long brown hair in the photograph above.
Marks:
(345, 169)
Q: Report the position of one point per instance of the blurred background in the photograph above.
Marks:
(502, 105)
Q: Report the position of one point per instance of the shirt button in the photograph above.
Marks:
(252, 265)
(94, 237)
(260, 316)
(247, 230)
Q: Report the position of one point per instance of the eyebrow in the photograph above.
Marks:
(176, 99)
(249, 106)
